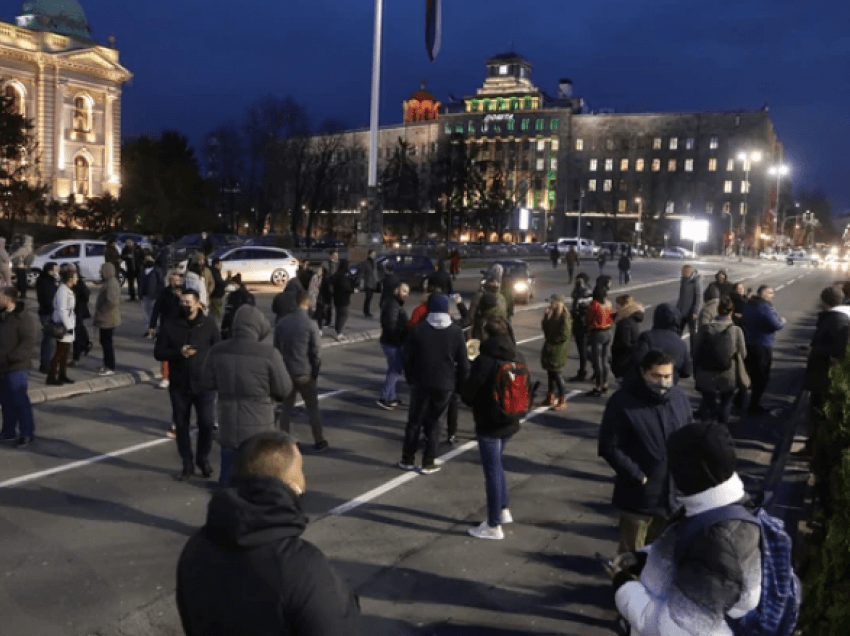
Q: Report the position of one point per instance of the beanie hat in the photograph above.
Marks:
(700, 456)
(438, 304)
(237, 279)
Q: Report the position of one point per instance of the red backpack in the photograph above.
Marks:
(512, 390)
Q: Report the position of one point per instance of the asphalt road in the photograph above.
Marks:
(92, 521)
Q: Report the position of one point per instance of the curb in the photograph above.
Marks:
(95, 385)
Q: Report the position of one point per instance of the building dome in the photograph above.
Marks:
(57, 16)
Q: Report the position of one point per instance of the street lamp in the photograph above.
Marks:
(779, 170)
(747, 158)
(639, 225)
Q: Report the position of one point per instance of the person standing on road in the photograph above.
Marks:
(342, 291)
(389, 281)
(63, 313)
(166, 307)
(237, 295)
(393, 330)
(740, 297)
(493, 427)
(150, 287)
(442, 279)
(112, 255)
(21, 262)
(624, 265)
(627, 322)
(709, 308)
(333, 263)
(572, 260)
(761, 322)
(107, 316)
(454, 259)
(248, 570)
(638, 420)
(555, 255)
(184, 343)
(664, 336)
(556, 343)
(601, 259)
(133, 257)
(721, 284)
(217, 294)
(287, 301)
(582, 297)
(82, 342)
(369, 278)
(45, 291)
(435, 365)
(690, 298)
(600, 320)
(324, 300)
(247, 376)
(300, 344)
(18, 339)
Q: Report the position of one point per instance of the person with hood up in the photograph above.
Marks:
(435, 364)
(82, 342)
(761, 322)
(664, 336)
(690, 299)
(582, 296)
(693, 590)
(627, 322)
(486, 302)
(287, 301)
(248, 377)
(637, 421)
(493, 427)
(442, 279)
(709, 309)
(18, 340)
(237, 295)
(249, 565)
(107, 316)
(21, 261)
(721, 284)
(5, 264)
(557, 326)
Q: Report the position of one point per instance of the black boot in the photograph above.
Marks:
(187, 472)
(581, 376)
(64, 379)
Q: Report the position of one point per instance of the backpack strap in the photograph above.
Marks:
(691, 527)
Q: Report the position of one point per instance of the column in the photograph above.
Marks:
(60, 124)
(109, 136)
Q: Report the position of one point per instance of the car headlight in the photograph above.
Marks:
(521, 286)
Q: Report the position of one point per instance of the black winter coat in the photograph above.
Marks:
(166, 307)
(186, 373)
(829, 343)
(45, 290)
(19, 335)
(664, 336)
(389, 284)
(235, 299)
(478, 390)
(286, 301)
(249, 571)
(342, 288)
(626, 334)
(436, 358)
(393, 322)
(442, 279)
(81, 304)
(633, 440)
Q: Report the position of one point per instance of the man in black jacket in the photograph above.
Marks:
(287, 301)
(184, 342)
(442, 279)
(217, 295)
(166, 307)
(342, 291)
(369, 276)
(664, 336)
(637, 421)
(18, 336)
(435, 365)
(132, 256)
(45, 290)
(248, 570)
(393, 331)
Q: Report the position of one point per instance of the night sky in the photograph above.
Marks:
(197, 64)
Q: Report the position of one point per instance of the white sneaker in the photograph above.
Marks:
(164, 384)
(506, 516)
(104, 371)
(484, 531)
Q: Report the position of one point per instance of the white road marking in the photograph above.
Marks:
(23, 479)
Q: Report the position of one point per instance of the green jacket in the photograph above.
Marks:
(556, 334)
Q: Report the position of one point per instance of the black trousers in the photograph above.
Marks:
(581, 344)
(81, 338)
(367, 302)
(108, 348)
(758, 363)
(451, 417)
(181, 413)
(21, 282)
(131, 284)
(427, 408)
(341, 318)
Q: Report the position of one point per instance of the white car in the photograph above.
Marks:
(256, 264)
(676, 252)
(87, 253)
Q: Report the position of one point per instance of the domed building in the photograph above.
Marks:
(70, 87)
(421, 106)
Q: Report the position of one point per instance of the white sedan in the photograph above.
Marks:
(87, 254)
(256, 264)
(676, 252)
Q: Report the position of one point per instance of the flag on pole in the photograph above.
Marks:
(433, 27)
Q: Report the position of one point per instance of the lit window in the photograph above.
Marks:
(510, 124)
(553, 125)
(639, 165)
(689, 143)
(539, 124)
(713, 143)
(670, 207)
(727, 207)
(689, 165)
(709, 207)
(459, 129)
(540, 165)
(514, 104)
(712, 165)
(525, 124)
(609, 164)
(579, 144)
(473, 106)
(553, 163)
(503, 69)
(541, 145)
(472, 126)
(624, 164)
(744, 187)
(730, 165)
(501, 104)
(591, 185)
(671, 165)
(555, 145)
(609, 144)
(656, 165)
(448, 129)
(606, 186)
(488, 105)
(742, 208)
(527, 103)
(593, 164)
(727, 187)
(656, 143)
(674, 143)
(621, 205)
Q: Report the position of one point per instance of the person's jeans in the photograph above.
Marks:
(556, 383)
(758, 363)
(81, 339)
(427, 408)
(48, 343)
(15, 403)
(491, 450)
(394, 371)
(624, 276)
(147, 308)
(108, 348)
(341, 319)
(600, 343)
(307, 387)
(181, 411)
(367, 302)
(226, 469)
(710, 409)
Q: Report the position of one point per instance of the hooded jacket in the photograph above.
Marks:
(287, 301)
(761, 322)
(250, 569)
(690, 297)
(633, 440)
(435, 357)
(664, 336)
(626, 333)
(18, 339)
(201, 333)
(393, 321)
(828, 343)
(478, 390)
(722, 381)
(300, 344)
(248, 377)
(64, 303)
(107, 307)
(556, 340)
(720, 285)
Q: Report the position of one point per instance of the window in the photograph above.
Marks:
(459, 129)
(689, 143)
(727, 187)
(609, 164)
(606, 185)
(744, 187)
(82, 114)
(538, 125)
(471, 127)
(623, 185)
(712, 165)
(593, 164)
(656, 165)
(448, 129)
(713, 143)
(541, 145)
(674, 143)
(510, 124)
(82, 176)
(656, 143)
(591, 185)
(671, 165)
(514, 104)
(579, 144)
(503, 69)
(501, 104)
(553, 125)
(540, 163)
(670, 207)
(488, 105)
(555, 145)
(730, 165)
(553, 163)
(525, 124)
(14, 93)
(689, 165)
(609, 144)
(709, 207)
(473, 106)
(727, 207)
(742, 208)
(624, 164)
(621, 205)
(639, 165)
(527, 104)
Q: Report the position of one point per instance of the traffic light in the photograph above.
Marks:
(730, 237)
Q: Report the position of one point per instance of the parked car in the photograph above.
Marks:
(192, 243)
(676, 252)
(516, 277)
(801, 256)
(121, 239)
(256, 264)
(585, 247)
(88, 253)
(413, 269)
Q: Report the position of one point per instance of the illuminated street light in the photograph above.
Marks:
(748, 158)
(779, 170)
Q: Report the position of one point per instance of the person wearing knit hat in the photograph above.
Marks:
(689, 583)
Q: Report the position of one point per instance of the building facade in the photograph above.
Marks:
(70, 87)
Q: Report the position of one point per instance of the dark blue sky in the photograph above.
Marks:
(198, 63)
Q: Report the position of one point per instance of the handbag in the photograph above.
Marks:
(55, 330)
(742, 378)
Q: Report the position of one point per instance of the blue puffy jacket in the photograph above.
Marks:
(761, 322)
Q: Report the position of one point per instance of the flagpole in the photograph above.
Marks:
(374, 221)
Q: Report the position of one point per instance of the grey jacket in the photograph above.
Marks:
(300, 343)
(723, 381)
(369, 274)
(248, 375)
(708, 312)
(690, 297)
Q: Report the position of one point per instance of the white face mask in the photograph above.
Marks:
(660, 388)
